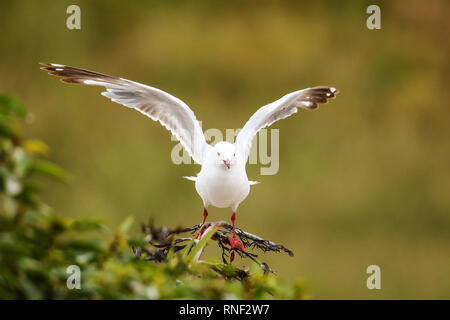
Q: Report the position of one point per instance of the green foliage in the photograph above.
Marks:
(37, 246)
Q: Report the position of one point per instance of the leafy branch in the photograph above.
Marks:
(37, 245)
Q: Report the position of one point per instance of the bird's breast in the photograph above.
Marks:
(221, 187)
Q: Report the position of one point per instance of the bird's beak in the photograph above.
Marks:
(227, 163)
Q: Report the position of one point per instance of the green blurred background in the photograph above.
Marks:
(364, 180)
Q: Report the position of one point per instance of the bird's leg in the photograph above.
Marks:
(205, 215)
(234, 241)
(202, 227)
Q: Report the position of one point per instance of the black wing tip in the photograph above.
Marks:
(325, 89)
(77, 74)
(60, 71)
(319, 95)
(51, 65)
(326, 93)
(51, 68)
(334, 91)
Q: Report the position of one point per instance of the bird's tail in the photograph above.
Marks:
(253, 182)
(191, 178)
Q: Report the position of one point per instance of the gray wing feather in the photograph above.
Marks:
(156, 104)
(282, 108)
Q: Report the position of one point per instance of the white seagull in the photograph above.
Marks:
(222, 180)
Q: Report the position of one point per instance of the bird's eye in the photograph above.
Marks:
(234, 154)
(218, 153)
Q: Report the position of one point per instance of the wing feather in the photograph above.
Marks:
(156, 104)
(284, 107)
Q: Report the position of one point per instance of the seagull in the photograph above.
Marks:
(222, 181)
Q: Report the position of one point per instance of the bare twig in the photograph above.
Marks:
(163, 239)
(249, 240)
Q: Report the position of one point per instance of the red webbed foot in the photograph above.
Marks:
(235, 243)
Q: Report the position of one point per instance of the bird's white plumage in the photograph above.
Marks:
(268, 114)
(222, 180)
(170, 111)
(219, 185)
(156, 104)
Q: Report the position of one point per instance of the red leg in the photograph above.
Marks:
(234, 241)
(233, 219)
(205, 215)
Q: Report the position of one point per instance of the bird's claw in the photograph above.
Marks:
(235, 243)
(232, 257)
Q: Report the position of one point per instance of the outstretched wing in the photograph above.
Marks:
(156, 104)
(280, 109)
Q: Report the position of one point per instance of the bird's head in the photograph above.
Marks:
(224, 154)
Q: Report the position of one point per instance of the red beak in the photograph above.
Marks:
(227, 163)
